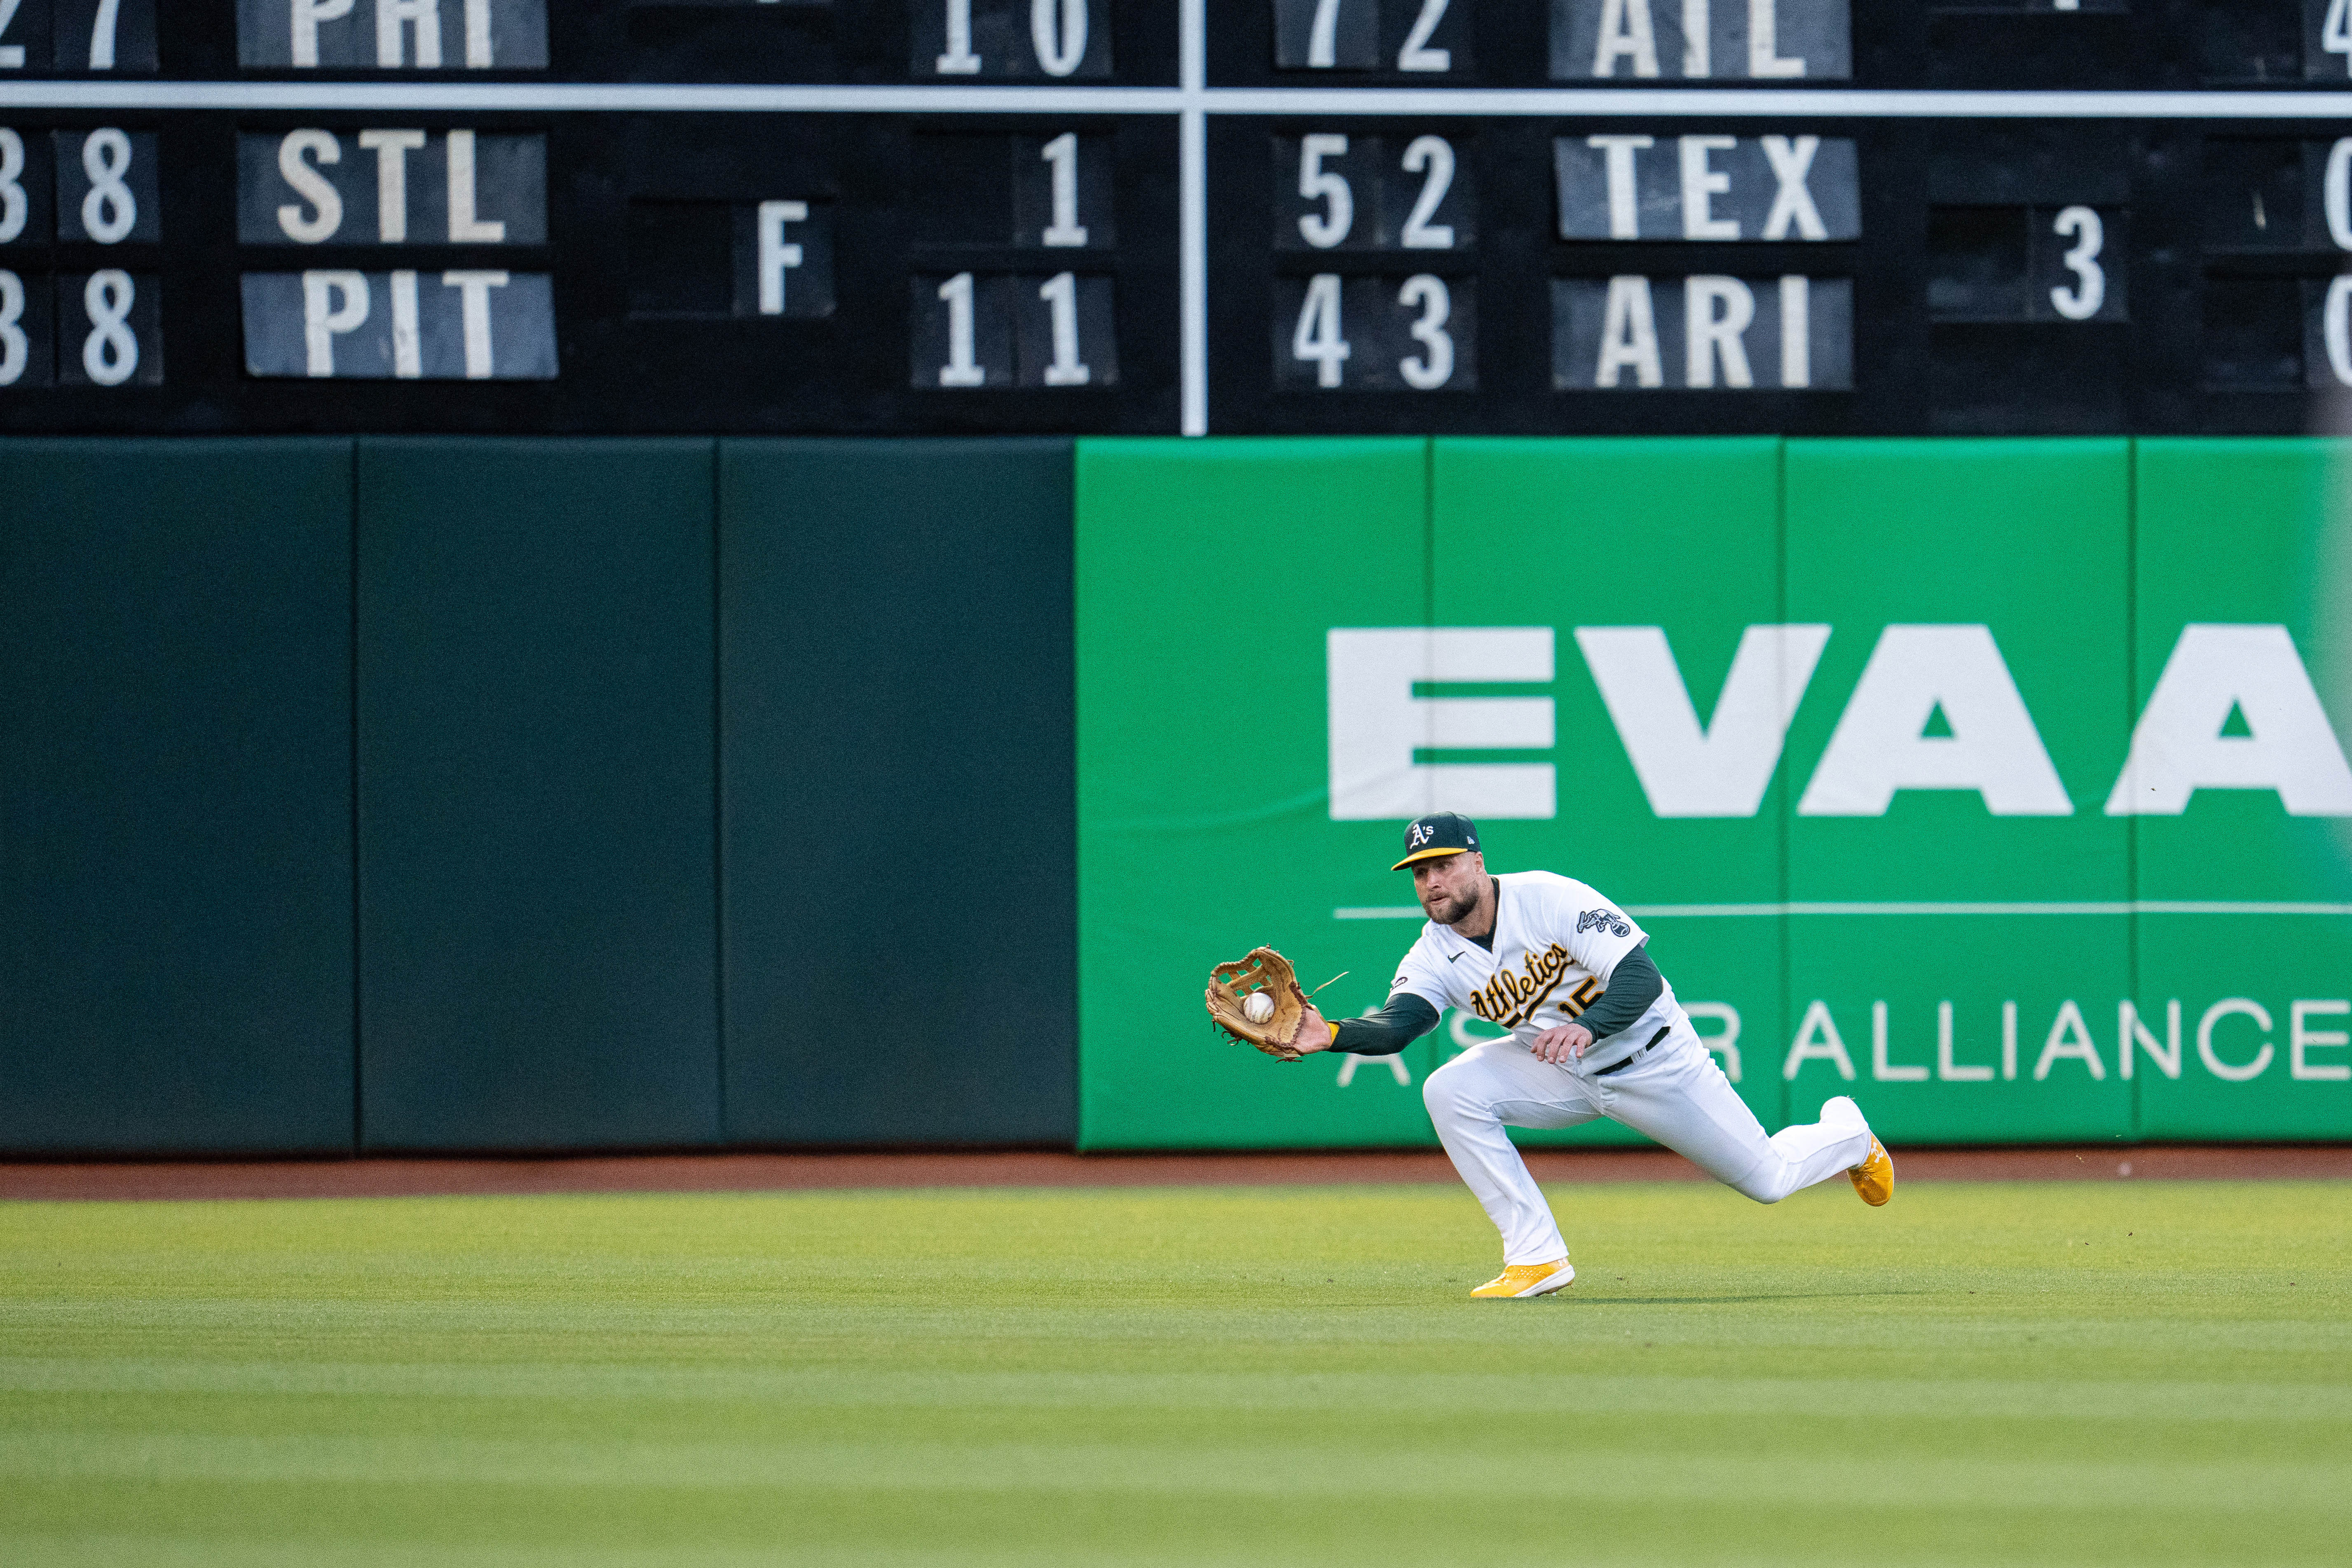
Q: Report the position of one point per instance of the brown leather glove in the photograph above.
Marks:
(1267, 970)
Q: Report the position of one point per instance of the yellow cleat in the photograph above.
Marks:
(1521, 1280)
(1874, 1177)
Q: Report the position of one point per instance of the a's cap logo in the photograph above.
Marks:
(1422, 835)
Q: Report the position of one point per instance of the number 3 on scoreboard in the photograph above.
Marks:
(2080, 300)
(1433, 366)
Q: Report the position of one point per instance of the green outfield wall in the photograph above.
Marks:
(440, 794)
(1999, 783)
(522, 794)
(176, 951)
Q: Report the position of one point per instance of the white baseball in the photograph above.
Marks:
(1257, 1007)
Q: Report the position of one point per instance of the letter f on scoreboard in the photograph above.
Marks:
(777, 256)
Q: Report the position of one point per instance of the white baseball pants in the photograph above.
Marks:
(1675, 1094)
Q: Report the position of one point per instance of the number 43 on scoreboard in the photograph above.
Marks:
(1376, 334)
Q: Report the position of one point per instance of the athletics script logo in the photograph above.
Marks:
(1512, 999)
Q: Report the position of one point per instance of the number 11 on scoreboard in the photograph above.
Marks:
(979, 330)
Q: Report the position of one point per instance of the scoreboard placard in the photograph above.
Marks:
(1185, 215)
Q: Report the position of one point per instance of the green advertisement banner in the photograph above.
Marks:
(1209, 576)
(1679, 535)
(1998, 783)
(2242, 685)
(1953, 748)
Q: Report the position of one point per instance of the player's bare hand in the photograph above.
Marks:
(1314, 1033)
(1563, 1045)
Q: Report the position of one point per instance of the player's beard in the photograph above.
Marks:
(1453, 910)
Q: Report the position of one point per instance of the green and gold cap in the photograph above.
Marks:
(1436, 836)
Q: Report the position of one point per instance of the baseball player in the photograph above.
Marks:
(1595, 1031)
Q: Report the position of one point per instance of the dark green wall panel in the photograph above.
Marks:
(537, 822)
(175, 796)
(898, 734)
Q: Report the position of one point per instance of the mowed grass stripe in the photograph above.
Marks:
(178, 1551)
(1141, 1465)
(2135, 1373)
(1357, 1391)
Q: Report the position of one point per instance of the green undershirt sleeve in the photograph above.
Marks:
(1633, 984)
(1405, 1019)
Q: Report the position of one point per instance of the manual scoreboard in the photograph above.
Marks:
(1232, 215)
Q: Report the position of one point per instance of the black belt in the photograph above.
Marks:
(1636, 1054)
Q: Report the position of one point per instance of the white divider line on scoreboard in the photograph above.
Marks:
(558, 98)
(2118, 906)
(1193, 199)
(1849, 103)
(543, 98)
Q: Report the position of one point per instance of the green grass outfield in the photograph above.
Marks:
(2129, 1373)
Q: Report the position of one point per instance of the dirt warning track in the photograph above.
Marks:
(801, 1172)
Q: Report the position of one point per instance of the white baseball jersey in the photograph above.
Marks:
(1557, 942)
